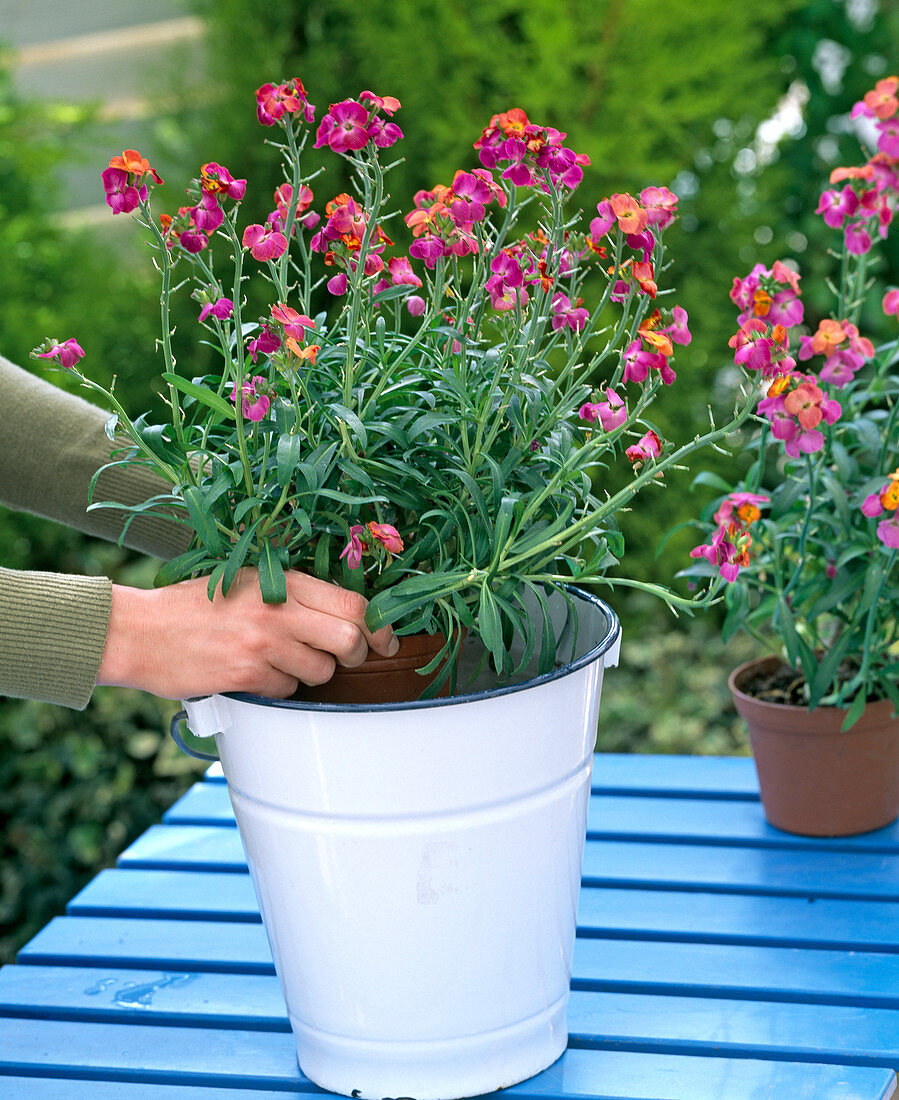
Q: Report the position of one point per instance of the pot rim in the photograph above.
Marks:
(781, 708)
(603, 646)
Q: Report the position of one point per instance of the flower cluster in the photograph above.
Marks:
(887, 500)
(420, 424)
(862, 207)
(819, 574)
(728, 549)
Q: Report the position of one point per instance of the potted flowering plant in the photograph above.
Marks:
(806, 544)
(429, 439)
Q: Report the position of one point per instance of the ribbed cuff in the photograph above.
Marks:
(52, 635)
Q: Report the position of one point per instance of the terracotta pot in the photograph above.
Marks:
(381, 679)
(814, 779)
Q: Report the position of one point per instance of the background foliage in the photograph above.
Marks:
(675, 94)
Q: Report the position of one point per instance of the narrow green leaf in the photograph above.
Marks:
(202, 394)
(490, 626)
(288, 457)
(272, 582)
(714, 481)
(202, 520)
(238, 555)
(214, 577)
(322, 564)
(179, 568)
(855, 711)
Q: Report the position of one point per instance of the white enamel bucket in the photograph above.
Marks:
(417, 867)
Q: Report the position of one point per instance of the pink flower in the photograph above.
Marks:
(745, 505)
(265, 343)
(871, 505)
(728, 550)
(400, 271)
(292, 323)
(891, 302)
(753, 347)
(254, 403)
(888, 531)
(67, 353)
(660, 205)
(221, 308)
(678, 331)
(207, 215)
(648, 446)
(600, 226)
(638, 362)
(264, 242)
(273, 101)
(415, 305)
(121, 196)
(337, 284)
(344, 128)
(429, 250)
(387, 536)
(564, 313)
(355, 548)
(219, 181)
(611, 413)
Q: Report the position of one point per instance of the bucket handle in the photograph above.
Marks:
(175, 731)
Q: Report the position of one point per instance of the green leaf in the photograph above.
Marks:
(202, 394)
(179, 568)
(350, 418)
(827, 669)
(214, 577)
(238, 556)
(322, 563)
(288, 457)
(202, 519)
(855, 711)
(714, 481)
(272, 582)
(490, 626)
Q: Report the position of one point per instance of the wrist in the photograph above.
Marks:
(128, 644)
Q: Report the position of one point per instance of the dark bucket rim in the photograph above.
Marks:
(602, 647)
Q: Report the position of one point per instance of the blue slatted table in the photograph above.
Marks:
(717, 959)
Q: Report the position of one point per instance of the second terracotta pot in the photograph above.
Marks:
(816, 780)
(381, 679)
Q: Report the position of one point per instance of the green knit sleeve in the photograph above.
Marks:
(51, 445)
(52, 635)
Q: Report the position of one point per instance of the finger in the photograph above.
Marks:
(302, 662)
(342, 603)
(342, 638)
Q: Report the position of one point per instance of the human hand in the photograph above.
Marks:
(177, 643)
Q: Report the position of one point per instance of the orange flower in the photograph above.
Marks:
(866, 172)
(131, 161)
(882, 98)
(512, 123)
(829, 335)
(749, 513)
(630, 214)
(643, 273)
(761, 303)
(308, 353)
(778, 385)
